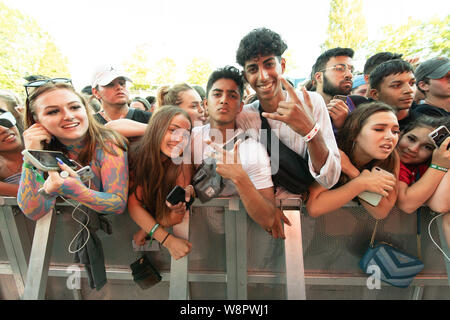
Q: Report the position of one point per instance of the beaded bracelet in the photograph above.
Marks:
(435, 166)
(312, 133)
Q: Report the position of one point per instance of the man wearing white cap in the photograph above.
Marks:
(109, 86)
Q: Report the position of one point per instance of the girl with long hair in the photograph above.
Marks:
(155, 169)
(423, 167)
(367, 140)
(58, 118)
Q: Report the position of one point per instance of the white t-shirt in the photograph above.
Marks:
(249, 120)
(254, 158)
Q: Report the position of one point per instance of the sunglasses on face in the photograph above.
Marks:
(7, 120)
(341, 67)
(39, 83)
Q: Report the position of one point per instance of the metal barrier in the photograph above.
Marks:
(313, 254)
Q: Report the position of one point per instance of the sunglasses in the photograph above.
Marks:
(41, 82)
(7, 120)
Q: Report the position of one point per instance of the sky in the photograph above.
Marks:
(94, 32)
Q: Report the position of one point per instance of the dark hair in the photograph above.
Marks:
(379, 58)
(353, 124)
(386, 69)
(200, 91)
(227, 72)
(151, 99)
(87, 90)
(146, 104)
(322, 60)
(261, 41)
(427, 122)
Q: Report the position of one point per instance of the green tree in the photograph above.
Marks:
(347, 26)
(416, 38)
(198, 71)
(26, 49)
(137, 68)
(163, 72)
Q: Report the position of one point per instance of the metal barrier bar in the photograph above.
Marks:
(17, 245)
(36, 281)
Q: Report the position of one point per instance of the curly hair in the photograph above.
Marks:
(261, 41)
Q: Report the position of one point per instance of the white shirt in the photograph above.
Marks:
(254, 158)
(249, 120)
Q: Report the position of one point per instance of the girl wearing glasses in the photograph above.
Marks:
(57, 118)
(10, 154)
(367, 142)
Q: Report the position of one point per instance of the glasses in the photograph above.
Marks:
(340, 68)
(7, 120)
(41, 82)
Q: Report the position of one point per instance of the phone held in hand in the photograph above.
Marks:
(439, 135)
(340, 97)
(177, 195)
(45, 160)
(371, 197)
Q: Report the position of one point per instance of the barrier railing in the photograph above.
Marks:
(29, 262)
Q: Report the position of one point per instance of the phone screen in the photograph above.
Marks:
(48, 159)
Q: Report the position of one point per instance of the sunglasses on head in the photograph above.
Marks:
(7, 120)
(41, 82)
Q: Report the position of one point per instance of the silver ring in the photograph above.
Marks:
(64, 174)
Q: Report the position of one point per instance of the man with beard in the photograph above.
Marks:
(333, 75)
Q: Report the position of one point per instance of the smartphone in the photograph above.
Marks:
(439, 135)
(46, 160)
(85, 173)
(372, 197)
(176, 195)
(340, 97)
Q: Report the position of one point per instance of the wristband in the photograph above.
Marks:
(312, 133)
(153, 230)
(168, 234)
(435, 166)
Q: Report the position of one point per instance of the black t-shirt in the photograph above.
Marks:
(431, 110)
(133, 114)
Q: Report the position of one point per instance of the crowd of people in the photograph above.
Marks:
(355, 133)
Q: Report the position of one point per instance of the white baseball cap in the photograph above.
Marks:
(105, 74)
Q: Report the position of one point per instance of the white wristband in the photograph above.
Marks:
(312, 133)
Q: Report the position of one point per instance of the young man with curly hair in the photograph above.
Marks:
(300, 119)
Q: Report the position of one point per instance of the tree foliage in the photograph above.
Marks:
(347, 26)
(163, 72)
(423, 39)
(26, 49)
(137, 68)
(198, 71)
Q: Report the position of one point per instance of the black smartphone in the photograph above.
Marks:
(439, 135)
(46, 160)
(176, 195)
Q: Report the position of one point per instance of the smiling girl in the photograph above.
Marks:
(423, 166)
(154, 172)
(57, 118)
(367, 139)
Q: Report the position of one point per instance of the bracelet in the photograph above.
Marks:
(168, 234)
(312, 133)
(435, 166)
(153, 230)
